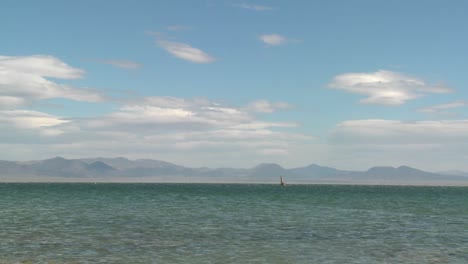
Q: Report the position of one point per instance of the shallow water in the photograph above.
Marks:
(216, 223)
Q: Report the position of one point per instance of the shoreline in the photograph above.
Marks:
(162, 181)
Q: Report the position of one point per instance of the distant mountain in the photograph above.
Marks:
(316, 172)
(118, 163)
(266, 171)
(122, 169)
(454, 172)
(124, 163)
(60, 167)
(99, 167)
(403, 174)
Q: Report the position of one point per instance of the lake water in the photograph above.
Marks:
(229, 223)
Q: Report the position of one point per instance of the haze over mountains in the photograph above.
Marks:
(145, 170)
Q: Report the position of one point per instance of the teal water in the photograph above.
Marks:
(216, 223)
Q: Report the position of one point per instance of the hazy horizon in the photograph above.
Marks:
(225, 166)
(122, 170)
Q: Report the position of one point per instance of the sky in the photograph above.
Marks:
(227, 83)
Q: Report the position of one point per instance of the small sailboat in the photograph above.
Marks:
(282, 183)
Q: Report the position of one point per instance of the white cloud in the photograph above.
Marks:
(273, 39)
(39, 65)
(429, 145)
(11, 101)
(196, 113)
(385, 87)
(263, 125)
(124, 64)
(274, 151)
(43, 123)
(186, 52)
(394, 132)
(442, 108)
(171, 113)
(24, 79)
(264, 106)
(187, 131)
(254, 7)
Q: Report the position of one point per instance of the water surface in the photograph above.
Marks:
(216, 223)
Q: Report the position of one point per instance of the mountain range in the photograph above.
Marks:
(146, 170)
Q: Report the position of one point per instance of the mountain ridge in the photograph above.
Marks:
(120, 168)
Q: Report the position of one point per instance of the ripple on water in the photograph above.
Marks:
(195, 223)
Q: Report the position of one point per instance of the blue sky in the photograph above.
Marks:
(349, 84)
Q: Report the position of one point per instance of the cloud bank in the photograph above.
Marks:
(434, 145)
(397, 132)
(186, 130)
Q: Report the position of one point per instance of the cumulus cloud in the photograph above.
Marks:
(124, 64)
(386, 87)
(185, 51)
(25, 79)
(254, 7)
